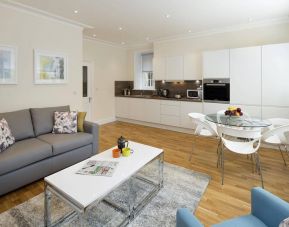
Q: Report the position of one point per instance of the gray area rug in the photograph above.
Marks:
(182, 188)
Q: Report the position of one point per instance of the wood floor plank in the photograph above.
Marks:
(219, 202)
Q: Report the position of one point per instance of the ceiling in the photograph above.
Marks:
(133, 22)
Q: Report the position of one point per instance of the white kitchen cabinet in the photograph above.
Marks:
(122, 108)
(274, 112)
(192, 67)
(211, 108)
(245, 75)
(159, 68)
(170, 113)
(151, 109)
(216, 64)
(189, 107)
(136, 106)
(175, 68)
(275, 75)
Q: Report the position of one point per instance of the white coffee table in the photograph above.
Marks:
(83, 191)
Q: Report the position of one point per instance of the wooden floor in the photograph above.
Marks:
(219, 202)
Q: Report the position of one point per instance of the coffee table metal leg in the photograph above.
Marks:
(47, 207)
(131, 198)
(161, 170)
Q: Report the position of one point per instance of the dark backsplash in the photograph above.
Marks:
(174, 87)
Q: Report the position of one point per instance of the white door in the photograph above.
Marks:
(87, 75)
(245, 78)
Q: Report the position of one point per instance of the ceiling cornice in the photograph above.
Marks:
(34, 11)
(104, 42)
(263, 23)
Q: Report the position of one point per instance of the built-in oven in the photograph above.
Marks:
(216, 90)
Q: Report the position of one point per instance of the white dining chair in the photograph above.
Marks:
(278, 136)
(248, 145)
(203, 128)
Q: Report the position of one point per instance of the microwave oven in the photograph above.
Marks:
(194, 94)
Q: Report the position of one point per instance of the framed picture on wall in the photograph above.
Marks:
(49, 67)
(8, 64)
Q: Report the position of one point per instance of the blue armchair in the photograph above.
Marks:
(267, 210)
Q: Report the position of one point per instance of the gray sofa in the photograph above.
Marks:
(37, 152)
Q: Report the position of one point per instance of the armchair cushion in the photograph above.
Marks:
(185, 218)
(268, 207)
(243, 221)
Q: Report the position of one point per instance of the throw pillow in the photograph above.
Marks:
(80, 121)
(65, 122)
(6, 138)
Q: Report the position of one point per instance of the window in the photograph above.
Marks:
(143, 78)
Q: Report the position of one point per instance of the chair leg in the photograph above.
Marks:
(259, 168)
(282, 155)
(253, 164)
(218, 153)
(222, 158)
(286, 150)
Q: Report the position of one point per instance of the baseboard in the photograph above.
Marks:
(105, 120)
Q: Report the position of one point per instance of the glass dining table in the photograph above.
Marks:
(237, 121)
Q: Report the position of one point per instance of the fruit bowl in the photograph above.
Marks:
(234, 112)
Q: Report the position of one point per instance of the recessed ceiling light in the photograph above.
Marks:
(147, 38)
(168, 15)
(75, 11)
(122, 43)
(94, 35)
(250, 19)
(190, 31)
(120, 28)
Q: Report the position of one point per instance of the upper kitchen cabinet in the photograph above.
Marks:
(159, 68)
(275, 75)
(216, 64)
(192, 67)
(175, 68)
(245, 75)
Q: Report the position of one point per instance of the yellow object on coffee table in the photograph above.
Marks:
(126, 151)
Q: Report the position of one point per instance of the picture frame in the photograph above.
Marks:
(8, 64)
(50, 67)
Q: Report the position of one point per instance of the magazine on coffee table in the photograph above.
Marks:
(98, 168)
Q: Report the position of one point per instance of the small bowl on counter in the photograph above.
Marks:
(177, 96)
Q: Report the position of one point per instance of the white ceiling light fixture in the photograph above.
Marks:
(122, 43)
(147, 38)
(75, 11)
(120, 28)
(250, 19)
(94, 35)
(168, 16)
(189, 31)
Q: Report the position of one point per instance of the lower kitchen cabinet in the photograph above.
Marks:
(151, 109)
(170, 113)
(122, 107)
(210, 108)
(275, 112)
(186, 108)
(136, 108)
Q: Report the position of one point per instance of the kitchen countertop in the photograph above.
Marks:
(160, 98)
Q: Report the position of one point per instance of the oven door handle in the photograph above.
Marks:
(217, 85)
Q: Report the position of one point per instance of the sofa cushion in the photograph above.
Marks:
(23, 153)
(247, 220)
(20, 124)
(43, 118)
(62, 143)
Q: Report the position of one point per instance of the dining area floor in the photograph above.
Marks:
(219, 202)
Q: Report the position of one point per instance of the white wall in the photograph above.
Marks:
(234, 39)
(28, 31)
(110, 64)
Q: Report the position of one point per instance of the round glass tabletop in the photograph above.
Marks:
(242, 121)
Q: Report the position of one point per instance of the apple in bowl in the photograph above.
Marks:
(234, 111)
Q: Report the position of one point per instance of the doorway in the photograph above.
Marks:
(87, 91)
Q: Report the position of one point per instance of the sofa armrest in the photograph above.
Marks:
(93, 128)
(185, 218)
(270, 209)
